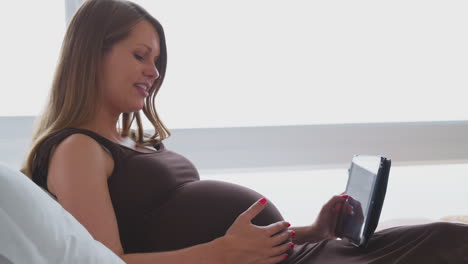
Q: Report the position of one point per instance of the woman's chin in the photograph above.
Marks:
(135, 108)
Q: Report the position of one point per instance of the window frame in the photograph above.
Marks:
(214, 150)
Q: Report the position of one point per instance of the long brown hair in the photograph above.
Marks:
(93, 30)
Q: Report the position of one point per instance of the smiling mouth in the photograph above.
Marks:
(141, 89)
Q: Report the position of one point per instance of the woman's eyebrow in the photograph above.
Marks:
(148, 47)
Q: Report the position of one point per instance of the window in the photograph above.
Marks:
(32, 33)
(261, 63)
(256, 63)
(324, 65)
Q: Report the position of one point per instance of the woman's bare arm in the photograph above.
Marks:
(77, 175)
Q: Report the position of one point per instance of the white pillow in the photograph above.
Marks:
(34, 228)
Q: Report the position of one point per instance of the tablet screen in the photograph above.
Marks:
(361, 184)
(360, 188)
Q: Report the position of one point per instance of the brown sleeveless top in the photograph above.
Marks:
(159, 200)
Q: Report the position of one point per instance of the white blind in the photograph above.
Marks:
(270, 62)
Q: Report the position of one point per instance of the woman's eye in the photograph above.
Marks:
(138, 57)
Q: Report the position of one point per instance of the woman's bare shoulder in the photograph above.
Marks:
(80, 152)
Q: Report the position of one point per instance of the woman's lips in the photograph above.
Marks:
(142, 91)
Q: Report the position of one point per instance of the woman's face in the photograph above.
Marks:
(129, 69)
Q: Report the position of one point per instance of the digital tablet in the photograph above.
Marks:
(366, 188)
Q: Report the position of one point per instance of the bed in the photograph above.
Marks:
(34, 228)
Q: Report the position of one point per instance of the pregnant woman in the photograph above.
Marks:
(146, 203)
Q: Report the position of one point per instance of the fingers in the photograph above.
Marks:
(276, 227)
(281, 249)
(337, 207)
(349, 209)
(282, 237)
(338, 198)
(253, 210)
(278, 254)
(335, 203)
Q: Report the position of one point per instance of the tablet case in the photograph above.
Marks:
(378, 198)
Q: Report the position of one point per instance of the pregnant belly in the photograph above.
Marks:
(201, 211)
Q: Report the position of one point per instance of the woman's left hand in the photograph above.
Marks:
(325, 224)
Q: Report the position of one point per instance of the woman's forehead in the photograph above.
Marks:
(144, 35)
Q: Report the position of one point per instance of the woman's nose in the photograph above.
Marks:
(151, 72)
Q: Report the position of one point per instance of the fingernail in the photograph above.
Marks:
(289, 224)
(286, 256)
(293, 233)
(263, 201)
(292, 245)
(345, 196)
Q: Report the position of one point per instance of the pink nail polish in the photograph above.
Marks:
(289, 224)
(345, 196)
(286, 256)
(263, 201)
(293, 233)
(292, 245)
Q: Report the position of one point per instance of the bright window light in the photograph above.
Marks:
(255, 63)
(32, 33)
(264, 62)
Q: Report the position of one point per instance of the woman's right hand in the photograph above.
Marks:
(248, 243)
